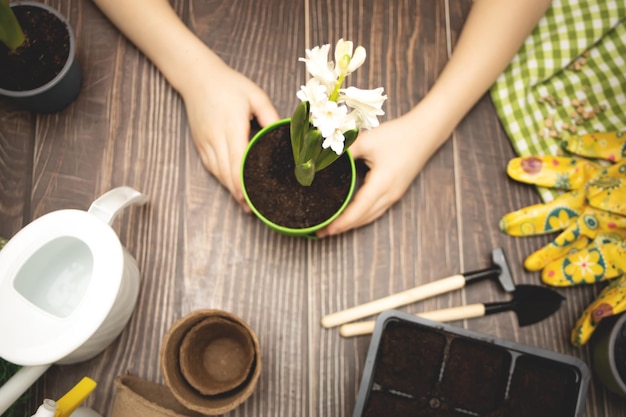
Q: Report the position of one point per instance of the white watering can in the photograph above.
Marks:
(67, 289)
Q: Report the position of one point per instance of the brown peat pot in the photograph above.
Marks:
(211, 361)
(216, 355)
(420, 367)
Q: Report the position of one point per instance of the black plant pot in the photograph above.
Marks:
(57, 93)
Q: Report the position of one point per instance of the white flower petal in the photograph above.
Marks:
(346, 61)
(357, 59)
(313, 92)
(365, 120)
(317, 64)
(335, 141)
(367, 104)
(342, 48)
(369, 99)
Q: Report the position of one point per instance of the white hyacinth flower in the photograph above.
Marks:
(328, 118)
(345, 61)
(334, 112)
(332, 120)
(318, 66)
(334, 141)
(313, 92)
(367, 104)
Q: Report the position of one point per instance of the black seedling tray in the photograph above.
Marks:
(417, 367)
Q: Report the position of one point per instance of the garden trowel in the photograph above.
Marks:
(531, 304)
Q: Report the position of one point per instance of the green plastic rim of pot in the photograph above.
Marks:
(302, 232)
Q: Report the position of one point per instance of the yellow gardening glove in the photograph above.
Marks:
(592, 217)
(611, 301)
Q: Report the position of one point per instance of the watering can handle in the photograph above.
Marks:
(110, 203)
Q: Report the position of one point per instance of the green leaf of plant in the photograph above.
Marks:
(328, 156)
(350, 136)
(305, 173)
(11, 33)
(312, 145)
(299, 126)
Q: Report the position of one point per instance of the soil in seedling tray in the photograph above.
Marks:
(272, 187)
(42, 56)
(475, 375)
(409, 359)
(425, 371)
(384, 404)
(540, 388)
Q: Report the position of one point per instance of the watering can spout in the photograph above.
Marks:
(15, 387)
(108, 205)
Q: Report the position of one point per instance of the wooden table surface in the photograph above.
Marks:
(196, 248)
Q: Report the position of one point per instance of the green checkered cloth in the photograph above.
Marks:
(568, 78)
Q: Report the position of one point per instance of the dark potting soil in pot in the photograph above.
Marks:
(273, 189)
(42, 56)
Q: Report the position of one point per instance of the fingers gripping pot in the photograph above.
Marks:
(72, 285)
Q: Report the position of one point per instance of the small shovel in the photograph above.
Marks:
(531, 304)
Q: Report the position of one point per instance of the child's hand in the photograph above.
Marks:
(395, 152)
(220, 104)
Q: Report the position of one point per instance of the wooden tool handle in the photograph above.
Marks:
(396, 300)
(443, 315)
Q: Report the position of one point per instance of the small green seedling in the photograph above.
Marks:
(11, 33)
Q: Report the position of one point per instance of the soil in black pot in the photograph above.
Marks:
(475, 375)
(274, 191)
(42, 56)
(409, 360)
(541, 389)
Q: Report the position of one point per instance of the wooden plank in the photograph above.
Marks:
(413, 243)
(17, 135)
(197, 249)
(486, 194)
(118, 132)
(233, 262)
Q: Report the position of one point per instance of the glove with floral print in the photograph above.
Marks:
(591, 216)
(611, 301)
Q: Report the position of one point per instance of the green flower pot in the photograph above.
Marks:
(278, 168)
